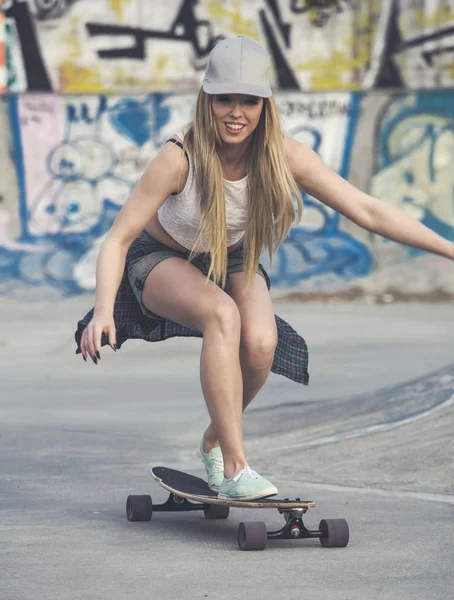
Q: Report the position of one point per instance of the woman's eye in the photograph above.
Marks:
(252, 102)
(223, 99)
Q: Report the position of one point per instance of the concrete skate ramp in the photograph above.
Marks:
(367, 414)
(398, 436)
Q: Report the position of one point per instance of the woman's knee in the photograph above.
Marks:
(257, 349)
(224, 316)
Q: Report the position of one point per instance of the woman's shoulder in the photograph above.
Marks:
(180, 134)
(169, 165)
(176, 138)
(295, 151)
(290, 144)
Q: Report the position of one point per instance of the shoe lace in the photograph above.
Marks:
(218, 464)
(247, 473)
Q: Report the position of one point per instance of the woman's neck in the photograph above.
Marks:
(233, 157)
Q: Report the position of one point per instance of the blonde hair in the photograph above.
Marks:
(272, 190)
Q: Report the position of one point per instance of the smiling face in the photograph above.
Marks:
(236, 116)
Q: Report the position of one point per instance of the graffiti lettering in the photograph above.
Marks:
(51, 9)
(38, 106)
(315, 109)
(423, 39)
(319, 10)
(285, 76)
(285, 28)
(35, 69)
(385, 43)
(188, 28)
(185, 28)
(395, 47)
(79, 114)
(35, 110)
(429, 55)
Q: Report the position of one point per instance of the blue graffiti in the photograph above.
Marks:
(325, 251)
(50, 260)
(74, 196)
(74, 208)
(140, 121)
(82, 114)
(415, 152)
(307, 253)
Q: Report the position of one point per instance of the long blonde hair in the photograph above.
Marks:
(272, 190)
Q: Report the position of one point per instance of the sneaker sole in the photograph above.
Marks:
(252, 496)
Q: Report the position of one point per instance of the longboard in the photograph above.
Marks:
(190, 493)
(196, 489)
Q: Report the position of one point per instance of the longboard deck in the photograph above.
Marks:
(193, 488)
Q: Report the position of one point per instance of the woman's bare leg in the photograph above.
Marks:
(258, 341)
(177, 290)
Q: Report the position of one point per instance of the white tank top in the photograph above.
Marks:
(180, 213)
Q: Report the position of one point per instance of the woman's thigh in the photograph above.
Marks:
(258, 324)
(176, 290)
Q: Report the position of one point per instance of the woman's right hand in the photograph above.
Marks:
(91, 337)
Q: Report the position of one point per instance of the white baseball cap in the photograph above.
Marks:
(237, 65)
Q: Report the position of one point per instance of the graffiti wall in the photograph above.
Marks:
(81, 157)
(3, 77)
(125, 46)
(93, 89)
(78, 157)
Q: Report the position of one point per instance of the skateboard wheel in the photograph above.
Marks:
(252, 536)
(139, 508)
(334, 533)
(216, 511)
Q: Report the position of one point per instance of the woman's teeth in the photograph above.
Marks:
(234, 127)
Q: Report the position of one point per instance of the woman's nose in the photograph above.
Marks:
(236, 111)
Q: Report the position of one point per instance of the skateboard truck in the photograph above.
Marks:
(294, 526)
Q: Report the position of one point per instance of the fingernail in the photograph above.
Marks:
(94, 359)
(84, 358)
(115, 347)
(98, 355)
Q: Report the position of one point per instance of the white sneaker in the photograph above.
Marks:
(214, 466)
(246, 485)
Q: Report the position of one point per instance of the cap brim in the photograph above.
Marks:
(237, 88)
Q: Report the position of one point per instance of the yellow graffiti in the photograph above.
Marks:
(313, 10)
(344, 69)
(334, 73)
(117, 6)
(161, 63)
(73, 78)
(232, 20)
(438, 18)
(449, 70)
(76, 79)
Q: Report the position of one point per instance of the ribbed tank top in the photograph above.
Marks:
(180, 213)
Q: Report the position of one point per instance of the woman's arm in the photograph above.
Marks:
(368, 212)
(166, 174)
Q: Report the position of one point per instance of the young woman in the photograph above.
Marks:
(182, 258)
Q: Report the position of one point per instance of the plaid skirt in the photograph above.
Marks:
(291, 356)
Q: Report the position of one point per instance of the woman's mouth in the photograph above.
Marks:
(234, 128)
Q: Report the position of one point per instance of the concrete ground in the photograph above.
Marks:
(370, 439)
